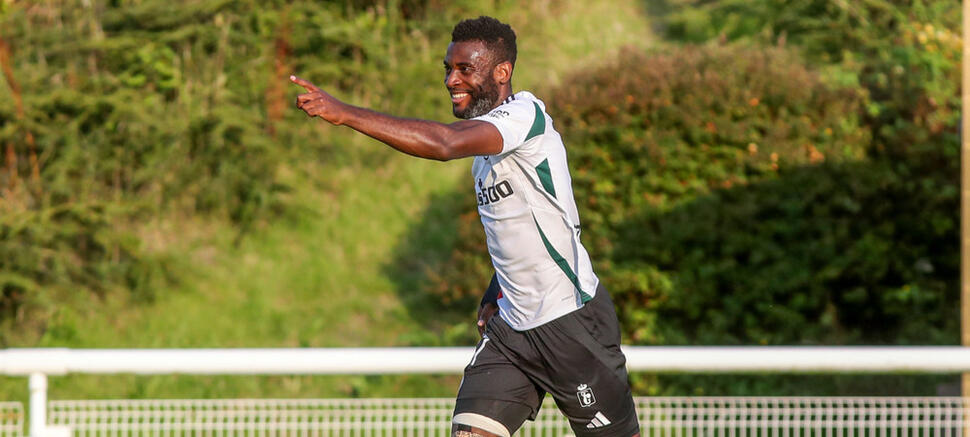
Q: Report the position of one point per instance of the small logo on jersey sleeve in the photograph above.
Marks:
(498, 113)
(585, 395)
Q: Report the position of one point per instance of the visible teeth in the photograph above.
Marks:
(459, 95)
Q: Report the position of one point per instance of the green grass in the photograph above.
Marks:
(328, 273)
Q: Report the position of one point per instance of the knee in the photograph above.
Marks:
(477, 425)
(458, 430)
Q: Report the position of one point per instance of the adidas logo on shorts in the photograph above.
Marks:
(599, 421)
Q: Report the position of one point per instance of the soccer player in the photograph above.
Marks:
(557, 330)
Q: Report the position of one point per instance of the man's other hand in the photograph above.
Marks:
(485, 312)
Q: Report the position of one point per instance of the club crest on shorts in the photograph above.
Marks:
(585, 395)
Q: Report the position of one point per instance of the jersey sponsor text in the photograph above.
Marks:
(495, 193)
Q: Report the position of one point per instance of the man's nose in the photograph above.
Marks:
(451, 79)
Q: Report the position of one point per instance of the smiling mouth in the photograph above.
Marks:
(457, 97)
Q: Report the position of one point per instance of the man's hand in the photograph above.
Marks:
(489, 305)
(485, 312)
(316, 102)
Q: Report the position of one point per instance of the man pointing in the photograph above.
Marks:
(557, 330)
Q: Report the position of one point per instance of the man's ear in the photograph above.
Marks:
(502, 73)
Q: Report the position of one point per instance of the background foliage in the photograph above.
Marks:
(896, 254)
(116, 112)
(774, 172)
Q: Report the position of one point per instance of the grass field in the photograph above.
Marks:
(324, 274)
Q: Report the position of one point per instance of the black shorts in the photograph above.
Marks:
(576, 358)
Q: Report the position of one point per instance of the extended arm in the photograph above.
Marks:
(421, 138)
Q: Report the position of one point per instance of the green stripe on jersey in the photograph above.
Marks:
(538, 125)
(545, 177)
(561, 262)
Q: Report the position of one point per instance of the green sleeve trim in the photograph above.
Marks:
(538, 125)
(545, 177)
(561, 262)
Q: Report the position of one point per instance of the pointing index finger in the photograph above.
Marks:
(304, 83)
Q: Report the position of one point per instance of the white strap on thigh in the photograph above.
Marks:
(481, 422)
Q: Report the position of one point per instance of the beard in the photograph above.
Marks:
(482, 100)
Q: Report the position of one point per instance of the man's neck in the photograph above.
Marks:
(504, 95)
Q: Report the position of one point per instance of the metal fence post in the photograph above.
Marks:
(38, 404)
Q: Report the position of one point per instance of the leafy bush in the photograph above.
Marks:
(55, 252)
(652, 131)
(123, 110)
(904, 56)
(831, 254)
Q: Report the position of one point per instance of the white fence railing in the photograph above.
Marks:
(60, 361)
(39, 363)
(659, 416)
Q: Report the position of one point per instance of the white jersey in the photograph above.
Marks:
(525, 199)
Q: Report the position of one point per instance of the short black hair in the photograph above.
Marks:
(498, 37)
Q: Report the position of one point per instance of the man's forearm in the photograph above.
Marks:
(421, 138)
(491, 294)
